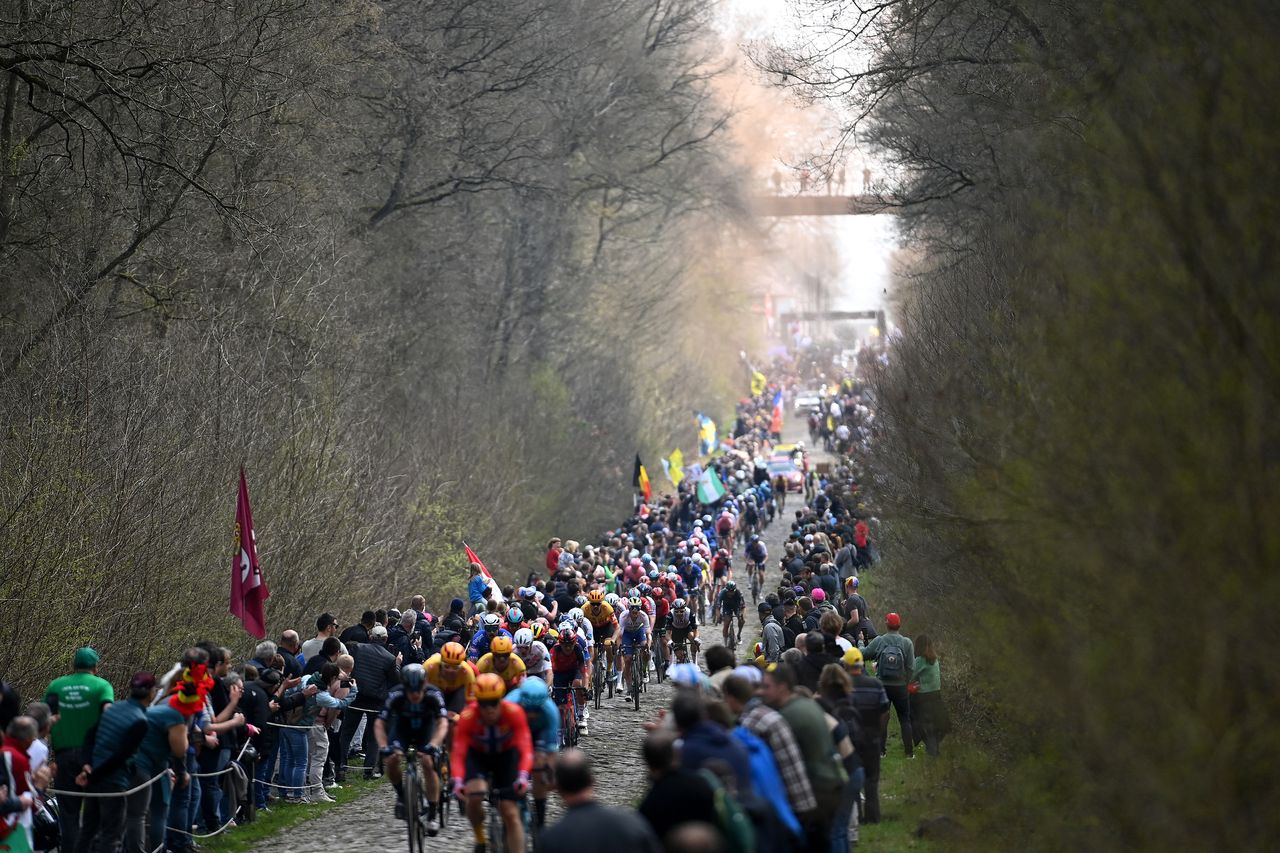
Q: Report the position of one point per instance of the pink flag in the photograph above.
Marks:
(248, 586)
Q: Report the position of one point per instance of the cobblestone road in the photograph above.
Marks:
(613, 743)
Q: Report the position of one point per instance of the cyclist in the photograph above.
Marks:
(492, 748)
(544, 728)
(721, 571)
(412, 716)
(684, 627)
(514, 620)
(490, 627)
(500, 661)
(569, 661)
(450, 673)
(634, 627)
(603, 623)
(536, 658)
(757, 555)
(662, 599)
(724, 529)
(731, 606)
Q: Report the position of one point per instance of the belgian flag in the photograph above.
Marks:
(641, 480)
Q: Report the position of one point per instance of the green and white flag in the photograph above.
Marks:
(710, 489)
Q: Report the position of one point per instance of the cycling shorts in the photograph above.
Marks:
(499, 769)
(455, 700)
(681, 635)
(630, 639)
(603, 632)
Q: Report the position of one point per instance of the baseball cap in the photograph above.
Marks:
(378, 632)
(893, 620)
(763, 607)
(853, 657)
(142, 681)
(85, 658)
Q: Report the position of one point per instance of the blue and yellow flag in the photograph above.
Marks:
(757, 383)
(706, 434)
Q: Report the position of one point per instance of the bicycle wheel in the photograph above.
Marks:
(412, 812)
(597, 677)
(497, 839)
(442, 801)
(635, 681)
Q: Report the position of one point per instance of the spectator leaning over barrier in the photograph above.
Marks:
(110, 748)
(894, 657)
(78, 700)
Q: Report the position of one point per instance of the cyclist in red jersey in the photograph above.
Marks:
(492, 747)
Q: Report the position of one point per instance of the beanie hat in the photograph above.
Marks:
(893, 620)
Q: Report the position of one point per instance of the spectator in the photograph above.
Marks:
(17, 796)
(335, 691)
(808, 724)
(78, 700)
(110, 748)
(830, 625)
(290, 647)
(772, 634)
(768, 725)
(375, 671)
(359, 633)
(835, 696)
(164, 746)
(705, 744)
(894, 657)
(454, 625)
(792, 624)
(326, 627)
(328, 653)
(224, 699)
(589, 826)
(929, 722)
(294, 732)
(815, 659)
(872, 705)
(720, 663)
(262, 655)
(258, 703)
(38, 752)
(403, 639)
(676, 795)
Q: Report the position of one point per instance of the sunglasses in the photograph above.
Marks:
(489, 703)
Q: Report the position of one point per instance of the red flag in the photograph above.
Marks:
(248, 586)
(471, 555)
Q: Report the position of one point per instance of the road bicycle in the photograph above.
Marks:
(496, 841)
(660, 662)
(597, 675)
(567, 703)
(415, 801)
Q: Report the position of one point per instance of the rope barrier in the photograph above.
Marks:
(226, 769)
(217, 831)
(109, 794)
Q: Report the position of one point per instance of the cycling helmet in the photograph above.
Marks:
(523, 637)
(679, 604)
(515, 615)
(553, 635)
(635, 563)
(568, 632)
(595, 596)
(730, 584)
(580, 600)
(723, 552)
(501, 645)
(532, 694)
(673, 577)
(645, 589)
(612, 599)
(706, 519)
(413, 677)
(489, 687)
(755, 536)
(491, 623)
(527, 592)
(634, 603)
(453, 654)
(538, 630)
(653, 574)
(646, 558)
(576, 615)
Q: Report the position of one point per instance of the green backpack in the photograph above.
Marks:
(732, 820)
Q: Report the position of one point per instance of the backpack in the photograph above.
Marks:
(730, 817)
(891, 663)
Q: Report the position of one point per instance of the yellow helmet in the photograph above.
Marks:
(453, 654)
(489, 687)
(853, 657)
(595, 596)
(501, 646)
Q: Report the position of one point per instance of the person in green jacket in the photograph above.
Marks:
(928, 712)
(78, 699)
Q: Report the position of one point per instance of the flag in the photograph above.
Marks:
(493, 584)
(706, 434)
(248, 586)
(757, 383)
(641, 480)
(775, 425)
(710, 489)
(675, 465)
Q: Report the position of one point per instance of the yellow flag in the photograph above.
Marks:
(676, 461)
(757, 383)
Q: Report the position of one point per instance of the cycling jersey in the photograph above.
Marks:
(567, 660)
(635, 629)
(720, 565)
(444, 680)
(410, 723)
(684, 620)
(731, 603)
(598, 614)
(757, 552)
(511, 675)
(479, 645)
(544, 723)
(537, 659)
(492, 751)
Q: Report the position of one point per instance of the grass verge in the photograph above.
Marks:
(247, 836)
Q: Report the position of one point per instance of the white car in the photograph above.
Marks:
(806, 400)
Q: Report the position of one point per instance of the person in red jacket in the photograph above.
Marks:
(553, 557)
(492, 746)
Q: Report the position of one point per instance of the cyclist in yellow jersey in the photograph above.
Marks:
(500, 661)
(603, 622)
(452, 675)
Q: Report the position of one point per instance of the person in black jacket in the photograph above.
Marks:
(376, 672)
(402, 639)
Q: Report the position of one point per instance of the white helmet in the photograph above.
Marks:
(577, 615)
(523, 637)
